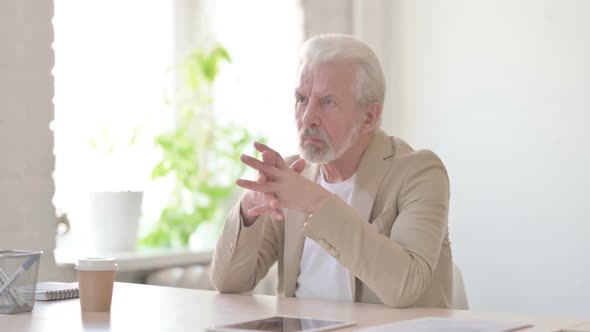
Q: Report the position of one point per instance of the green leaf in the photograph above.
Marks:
(200, 155)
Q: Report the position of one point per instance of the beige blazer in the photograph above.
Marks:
(393, 237)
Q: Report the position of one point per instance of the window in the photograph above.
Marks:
(110, 75)
(110, 64)
(263, 37)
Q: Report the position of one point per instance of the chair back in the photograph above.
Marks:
(459, 300)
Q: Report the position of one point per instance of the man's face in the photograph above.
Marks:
(326, 111)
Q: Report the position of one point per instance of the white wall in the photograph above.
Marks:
(501, 91)
(27, 217)
(327, 16)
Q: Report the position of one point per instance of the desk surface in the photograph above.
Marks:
(151, 308)
(579, 328)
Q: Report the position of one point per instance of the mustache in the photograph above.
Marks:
(314, 132)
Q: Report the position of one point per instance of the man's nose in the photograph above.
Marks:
(311, 116)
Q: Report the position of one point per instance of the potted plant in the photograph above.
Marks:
(200, 155)
(114, 198)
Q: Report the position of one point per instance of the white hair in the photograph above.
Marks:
(370, 79)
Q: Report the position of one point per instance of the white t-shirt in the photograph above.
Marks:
(321, 276)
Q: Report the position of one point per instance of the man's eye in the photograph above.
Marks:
(301, 99)
(328, 101)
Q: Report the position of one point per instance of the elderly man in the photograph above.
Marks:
(357, 216)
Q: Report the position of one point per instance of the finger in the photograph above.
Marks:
(274, 203)
(265, 209)
(262, 148)
(269, 197)
(261, 178)
(274, 159)
(277, 214)
(259, 210)
(252, 185)
(269, 158)
(258, 165)
(298, 165)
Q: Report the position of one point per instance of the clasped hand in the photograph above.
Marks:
(278, 186)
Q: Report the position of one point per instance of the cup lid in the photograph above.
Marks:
(96, 264)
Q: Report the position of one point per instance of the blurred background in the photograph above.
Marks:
(103, 106)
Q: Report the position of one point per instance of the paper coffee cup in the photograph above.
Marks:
(96, 277)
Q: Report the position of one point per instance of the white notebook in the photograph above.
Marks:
(51, 290)
(432, 324)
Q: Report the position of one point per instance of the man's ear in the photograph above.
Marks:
(372, 118)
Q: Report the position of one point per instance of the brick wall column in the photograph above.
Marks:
(27, 215)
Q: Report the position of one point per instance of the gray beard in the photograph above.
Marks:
(315, 155)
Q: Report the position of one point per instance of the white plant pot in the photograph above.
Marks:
(114, 220)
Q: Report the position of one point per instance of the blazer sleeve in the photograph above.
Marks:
(397, 268)
(243, 255)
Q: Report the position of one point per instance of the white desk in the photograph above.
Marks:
(579, 328)
(153, 308)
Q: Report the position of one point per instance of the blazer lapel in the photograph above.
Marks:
(372, 168)
(294, 239)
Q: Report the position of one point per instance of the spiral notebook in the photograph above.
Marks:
(51, 290)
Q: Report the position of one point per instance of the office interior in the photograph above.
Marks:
(500, 90)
